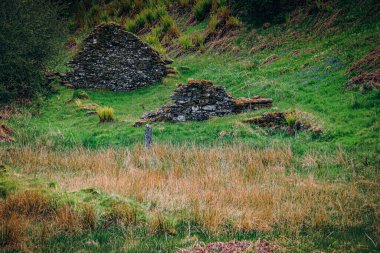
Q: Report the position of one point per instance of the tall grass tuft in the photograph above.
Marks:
(105, 114)
(213, 23)
(202, 9)
(233, 22)
(13, 233)
(185, 42)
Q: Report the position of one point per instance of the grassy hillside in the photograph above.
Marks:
(75, 184)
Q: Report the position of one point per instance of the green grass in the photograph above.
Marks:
(348, 117)
(311, 81)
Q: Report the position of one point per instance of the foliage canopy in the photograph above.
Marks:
(28, 37)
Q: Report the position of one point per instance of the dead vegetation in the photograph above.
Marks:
(365, 74)
(6, 133)
(248, 189)
(261, 246)
(38, 215)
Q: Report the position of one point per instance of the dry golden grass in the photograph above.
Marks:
(13, 233)
(245, 188)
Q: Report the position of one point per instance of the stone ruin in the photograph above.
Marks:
(112, 58)
(200, 100)
(289, 121)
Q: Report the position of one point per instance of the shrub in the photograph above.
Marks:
(105, 114)
(202, 9)
(185, 42)
(80, 94)
(29, 30)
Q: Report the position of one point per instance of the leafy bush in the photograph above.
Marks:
(202, 9)
(28, 38)
(105, 114)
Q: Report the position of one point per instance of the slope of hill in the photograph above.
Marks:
(77, 184)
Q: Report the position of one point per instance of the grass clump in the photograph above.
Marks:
(202, 9)
(185, 3)
(185, 42)
(213, 23)
(291, 119)
(145, 18)
(167, 23)
(154, 41)
(105, 114)
(160, 223)
(233, 22)
(80, 94)
(198, 40)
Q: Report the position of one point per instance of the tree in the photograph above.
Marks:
(28, 37)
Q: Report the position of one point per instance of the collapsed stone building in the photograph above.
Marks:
(200, 100)
(112, 58)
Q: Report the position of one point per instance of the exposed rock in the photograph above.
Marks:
(115, 59)
(200, 100)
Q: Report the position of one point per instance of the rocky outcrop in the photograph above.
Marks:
(200, 100)
(115, 59)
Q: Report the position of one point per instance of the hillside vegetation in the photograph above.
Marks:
(70, 181)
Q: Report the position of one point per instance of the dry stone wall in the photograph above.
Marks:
(115, 59)
(200, 100)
